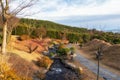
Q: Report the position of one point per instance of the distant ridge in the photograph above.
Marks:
(114, 30)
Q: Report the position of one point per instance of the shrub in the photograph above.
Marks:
(51, 54)
(86, 38)
(79, 70)
(24, 37)
(72, 49)
(63, 51)
(73, 37)
(41, 76)
(61, 46)
(44, 62)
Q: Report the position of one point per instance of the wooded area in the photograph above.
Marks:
(50, 29)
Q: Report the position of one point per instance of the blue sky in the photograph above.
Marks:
(85, 13)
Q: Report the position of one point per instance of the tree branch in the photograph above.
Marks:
(23, 5)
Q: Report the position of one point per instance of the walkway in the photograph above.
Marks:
(93, 67)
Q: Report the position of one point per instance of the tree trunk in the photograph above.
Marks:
(4, 43)
(8, 37)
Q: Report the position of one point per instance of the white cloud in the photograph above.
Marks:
(62, 10)
(77, 12)
(57, 9)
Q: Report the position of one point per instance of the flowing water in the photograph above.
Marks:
(58, 71)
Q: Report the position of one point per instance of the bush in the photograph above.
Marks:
(72, 37)
(51, 54)
(63, 51)
(44, 62)
(41, 76)
(24, 37)
(86, 38)
(61, 46)
(72, 49)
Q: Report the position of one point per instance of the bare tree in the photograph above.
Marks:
(7, 14)
(13, 22)
(29, 28)
(31, 48)
(98, 57)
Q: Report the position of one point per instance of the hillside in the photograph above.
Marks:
(49, 25)
(110, 52)
(36, 28)
(24, 62)
(32, 66)
(50, 29)
(30, 33)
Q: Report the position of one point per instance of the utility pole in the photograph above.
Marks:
(98, 56)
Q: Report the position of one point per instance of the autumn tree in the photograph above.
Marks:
(29, 28)
(63, 34)
(40, 32)
(7, 13)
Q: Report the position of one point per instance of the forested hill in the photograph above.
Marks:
(51, 25)
(50, 29)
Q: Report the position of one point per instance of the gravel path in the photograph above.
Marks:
(93, 67)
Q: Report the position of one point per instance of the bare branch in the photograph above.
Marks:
(30, 14)
(31, 49)
(2, 5)
(22, 6)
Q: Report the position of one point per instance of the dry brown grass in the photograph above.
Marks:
(22, 66)
(8, 73)
(111, 53)
(112, 56)
(22, 61)
(21, 47)
(25, 55)
(96, 43)
(25, 44)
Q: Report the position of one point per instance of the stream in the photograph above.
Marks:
(58, 71)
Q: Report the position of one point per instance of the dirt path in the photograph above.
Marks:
(93, 67)
(88, 56)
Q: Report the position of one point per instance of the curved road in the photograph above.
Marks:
(93, 67)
